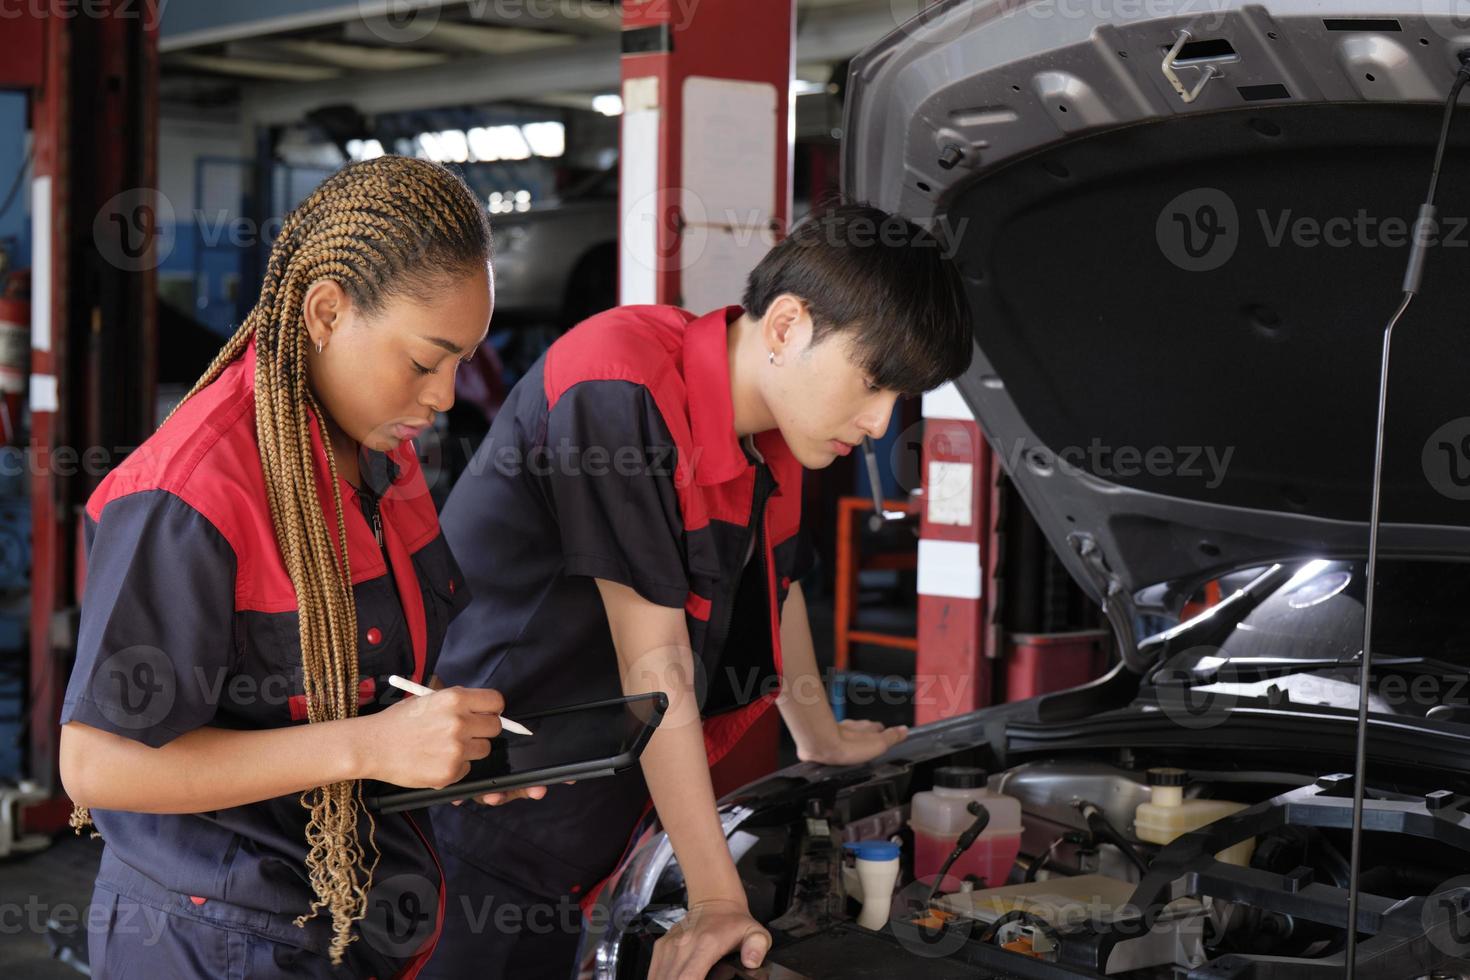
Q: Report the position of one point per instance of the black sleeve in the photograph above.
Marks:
(612, 477)
(157, 621)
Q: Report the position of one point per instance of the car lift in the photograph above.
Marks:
(92, 80)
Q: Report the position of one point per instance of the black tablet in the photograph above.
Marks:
(579, 741)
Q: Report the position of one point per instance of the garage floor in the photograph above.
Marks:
(56, 883)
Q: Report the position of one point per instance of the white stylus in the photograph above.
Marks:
(404, 684)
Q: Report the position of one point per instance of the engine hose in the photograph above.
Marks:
(1040, 864)
(1103, 830)
(982, 819)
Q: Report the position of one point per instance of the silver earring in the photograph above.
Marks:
(318, 346)
(773, 356)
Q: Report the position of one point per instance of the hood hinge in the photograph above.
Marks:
(1117, 603)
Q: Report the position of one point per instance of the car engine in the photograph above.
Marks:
(1125, 867)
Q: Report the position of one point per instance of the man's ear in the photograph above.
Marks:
(324, 309)
(782, 326)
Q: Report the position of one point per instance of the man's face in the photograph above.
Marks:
(823, 400)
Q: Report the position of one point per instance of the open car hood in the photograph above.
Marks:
(1179, 373)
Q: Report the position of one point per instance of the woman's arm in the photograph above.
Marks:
(417, 742)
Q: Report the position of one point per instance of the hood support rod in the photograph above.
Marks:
(1425, 232)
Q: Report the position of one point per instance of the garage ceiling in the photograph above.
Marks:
(299, 56)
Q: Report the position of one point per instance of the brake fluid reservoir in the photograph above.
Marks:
(1169, 815)
(939, 816)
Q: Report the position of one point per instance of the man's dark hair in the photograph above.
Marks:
(885, 279)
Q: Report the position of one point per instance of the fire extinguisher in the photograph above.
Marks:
(15, 351)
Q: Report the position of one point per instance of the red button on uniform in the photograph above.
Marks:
(374, 636)
(785, 582)
(451, 586)
(197, 899)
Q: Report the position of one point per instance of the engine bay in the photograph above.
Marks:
(1120, 867)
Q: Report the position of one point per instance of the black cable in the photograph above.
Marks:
(963, 844)
(1461, 77)
(1040, 864)
(1102, 829)
(1418, 251)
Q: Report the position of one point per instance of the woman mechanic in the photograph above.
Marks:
(255, 572)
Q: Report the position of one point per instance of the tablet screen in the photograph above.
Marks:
(563, 737)
(600, 737)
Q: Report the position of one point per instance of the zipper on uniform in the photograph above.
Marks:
(764, 484)
(375, 514)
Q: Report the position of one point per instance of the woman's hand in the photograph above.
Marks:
(430, 741)
(497, 799)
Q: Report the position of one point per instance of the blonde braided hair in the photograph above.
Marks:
(387, 226)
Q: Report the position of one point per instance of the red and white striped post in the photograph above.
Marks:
(705, 182)
(951, 673)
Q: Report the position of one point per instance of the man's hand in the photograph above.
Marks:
(710, 930)
(819, 737)
(654, 655)
(855, 742)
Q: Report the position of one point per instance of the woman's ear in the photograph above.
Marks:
(324, 309)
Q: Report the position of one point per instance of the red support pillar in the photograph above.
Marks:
(93, 85)
(705, 185)
(51, 217)
(952, 672)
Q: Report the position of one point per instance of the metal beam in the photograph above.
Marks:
(588, 66)
(359, 57)
(575, 18)
(450, 35)
(200, 24)
(254, 67)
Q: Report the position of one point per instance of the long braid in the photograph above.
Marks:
(377, 228)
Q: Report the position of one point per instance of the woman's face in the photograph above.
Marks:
(383, 377)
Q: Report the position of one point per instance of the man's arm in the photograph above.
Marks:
(803, 700)
(654, 654)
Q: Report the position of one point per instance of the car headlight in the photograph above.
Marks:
(629, 890)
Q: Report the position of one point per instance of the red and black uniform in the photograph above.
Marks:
(615, 457)
(189, 619)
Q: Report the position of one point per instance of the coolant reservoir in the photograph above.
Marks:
(1170, 815)
(939, 816)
